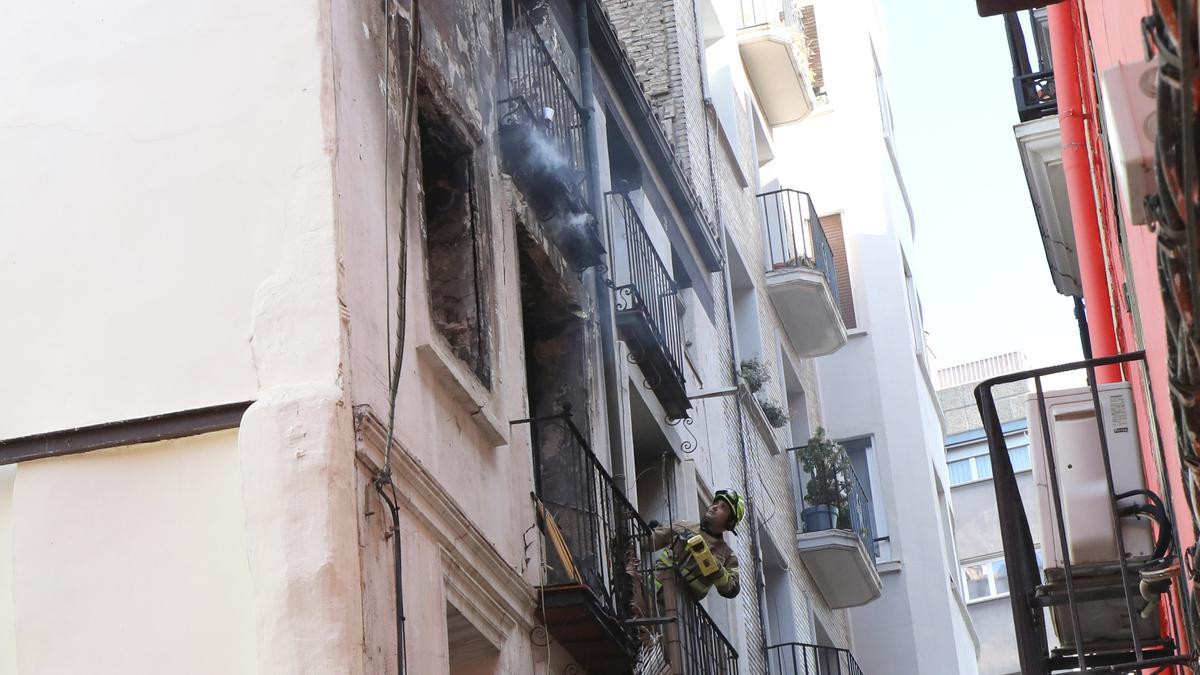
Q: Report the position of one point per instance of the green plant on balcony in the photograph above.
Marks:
(828, 489)
(797, 261)
(776, 416)
(755, 373)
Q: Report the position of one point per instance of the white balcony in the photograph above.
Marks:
(1040, 145)
(808, 310)
(841, 566)
(802, 279)
(778, 71)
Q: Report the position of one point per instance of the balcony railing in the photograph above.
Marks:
(538, 88)
(795, 237)
(797, 658)
(1035, 95)
(1033, 76)
(601, 529)
(703, 647)
(854, 514)
(648, 303)
(778, 12)
(601, 599)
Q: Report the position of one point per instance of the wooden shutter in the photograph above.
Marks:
(833, 232)
(808, 18)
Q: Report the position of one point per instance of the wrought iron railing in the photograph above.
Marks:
(1035, 95)
(795, 237)
(538, 88)
(777, 12)
(797, 658)
(703, 647)
(643, 282)
(1033, 75)
(609, 551)
(858, 507)
(854, 513)
(602, 530)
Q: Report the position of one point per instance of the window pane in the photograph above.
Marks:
(1001, 576)
(983, 466)
(976, 581)
(960, 471)
(1020, 458)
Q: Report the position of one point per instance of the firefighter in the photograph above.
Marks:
(697, 552)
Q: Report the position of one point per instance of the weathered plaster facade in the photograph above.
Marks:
(236, 179)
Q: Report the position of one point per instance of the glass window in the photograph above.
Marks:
(975, 579)
(960, 471)
(1000, 576)
(1019, 456)
(983, 467)
(986, 579)
(972, 462)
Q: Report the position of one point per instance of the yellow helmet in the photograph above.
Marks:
(737, 505)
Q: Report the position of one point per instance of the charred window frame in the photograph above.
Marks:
(456, 235)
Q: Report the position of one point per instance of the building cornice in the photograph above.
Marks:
(496, 588)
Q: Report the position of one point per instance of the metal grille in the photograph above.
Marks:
(606, 537)
(644, 283)
(536, 82)
(797, 658)
(1112, 615)
(795, 237)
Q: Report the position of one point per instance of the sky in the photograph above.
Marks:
(980, 266)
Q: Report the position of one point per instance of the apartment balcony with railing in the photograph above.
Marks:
(771, 42)
(797, 658)
(801, 275)
(603, 598)
(1033, 71)
(648, 305)
(838, 544)
(542, 146)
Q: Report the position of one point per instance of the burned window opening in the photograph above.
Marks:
(455, 239)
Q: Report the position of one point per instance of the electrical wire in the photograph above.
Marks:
(384, 485)
(1172, 30)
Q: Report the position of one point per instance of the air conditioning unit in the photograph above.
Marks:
(1087, 508)
(1129, 96)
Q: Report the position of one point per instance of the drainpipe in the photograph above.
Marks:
(760, 579)
(604, 307)
(1068, 78)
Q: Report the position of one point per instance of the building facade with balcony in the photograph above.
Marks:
(977, 534)
(877, 391)
(399, 339)
(705, 79)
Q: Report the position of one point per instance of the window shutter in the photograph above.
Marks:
(833, 232)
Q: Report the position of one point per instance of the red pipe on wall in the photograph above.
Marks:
(1068, 80)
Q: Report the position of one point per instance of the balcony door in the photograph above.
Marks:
(861, 455)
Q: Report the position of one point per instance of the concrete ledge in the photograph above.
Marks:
(463, 387)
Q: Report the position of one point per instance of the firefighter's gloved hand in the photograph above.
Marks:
(718, 574)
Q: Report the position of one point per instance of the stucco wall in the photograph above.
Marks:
(877, 384)
(167, 156)
(131, 560)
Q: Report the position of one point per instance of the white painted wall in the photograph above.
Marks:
(159, 160)
(8, 627)
(129, 560)
(170, 223)
(877, 384)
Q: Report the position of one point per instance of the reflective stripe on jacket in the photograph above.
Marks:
(673, 539)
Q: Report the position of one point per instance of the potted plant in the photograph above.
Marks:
(755, 373)
(776, 417)
(828, 488)
(797, 261)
